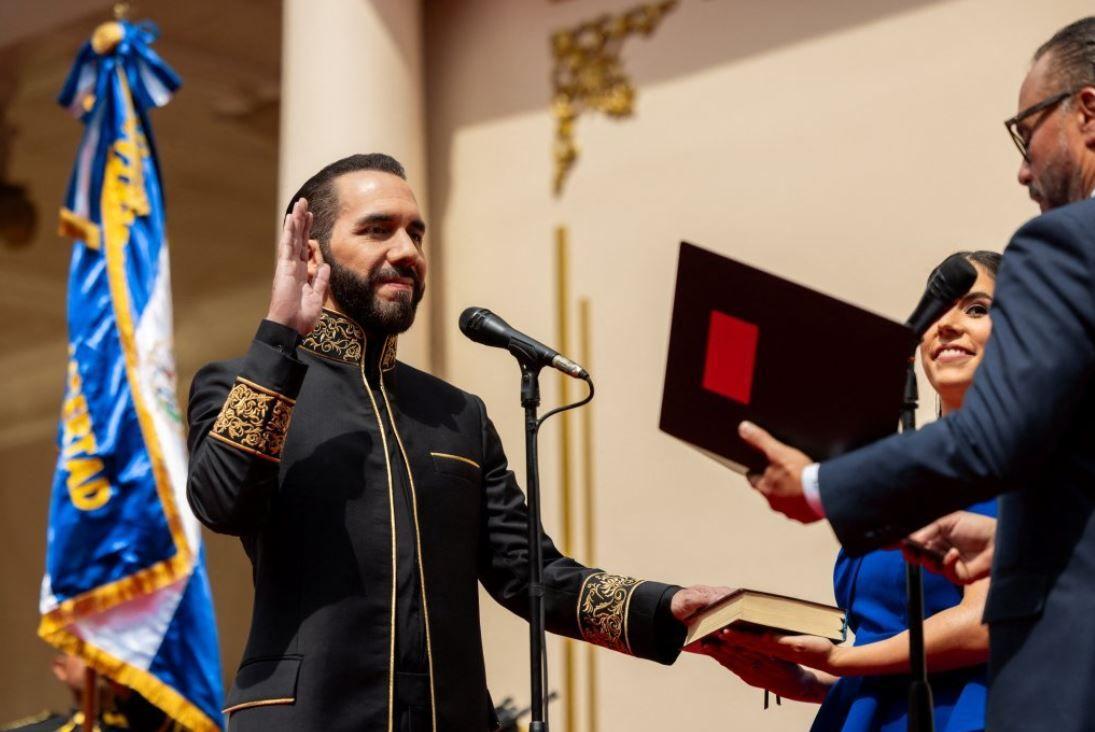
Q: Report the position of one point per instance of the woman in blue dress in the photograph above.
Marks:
(864, 687)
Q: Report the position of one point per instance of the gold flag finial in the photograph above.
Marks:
(109, 34)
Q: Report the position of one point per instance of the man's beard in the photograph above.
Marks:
(1061, 181)
(357, 297)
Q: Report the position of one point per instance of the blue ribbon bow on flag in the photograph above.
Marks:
(125, 585)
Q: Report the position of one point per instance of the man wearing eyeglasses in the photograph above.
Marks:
(1026, 431)
(1054, 131)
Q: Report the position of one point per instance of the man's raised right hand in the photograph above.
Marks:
(297, 296)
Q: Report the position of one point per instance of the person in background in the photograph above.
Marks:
(1024, 433)
(864, 688)
(118, 708)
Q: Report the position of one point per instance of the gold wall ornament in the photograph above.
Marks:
(588, 74)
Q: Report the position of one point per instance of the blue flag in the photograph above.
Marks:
(125, 585)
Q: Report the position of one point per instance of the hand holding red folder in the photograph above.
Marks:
(781, 481)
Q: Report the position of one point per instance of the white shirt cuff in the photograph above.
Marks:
(811, 489)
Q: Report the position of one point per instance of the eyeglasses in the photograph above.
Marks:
(1022, 139)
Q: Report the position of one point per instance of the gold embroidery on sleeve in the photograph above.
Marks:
(602, 610)
(254, 419)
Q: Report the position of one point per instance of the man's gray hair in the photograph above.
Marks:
(1073, 54)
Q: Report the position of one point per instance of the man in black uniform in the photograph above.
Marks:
(372, 497)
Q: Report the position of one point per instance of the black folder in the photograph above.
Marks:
(818, 373)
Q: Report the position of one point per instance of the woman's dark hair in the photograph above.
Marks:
(989, 260)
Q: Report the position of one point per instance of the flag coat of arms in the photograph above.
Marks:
(125, 585)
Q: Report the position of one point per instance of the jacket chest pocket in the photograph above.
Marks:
(264, 682)
(457, 466)
(451, 492)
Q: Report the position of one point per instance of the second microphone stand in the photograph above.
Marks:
(530, 400)
(920, 691)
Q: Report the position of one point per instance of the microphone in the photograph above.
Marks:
(483, 326)
(950, 281)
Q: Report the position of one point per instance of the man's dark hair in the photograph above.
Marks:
(1073, 49)
(323, 197)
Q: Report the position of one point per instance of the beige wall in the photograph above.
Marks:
(846, 145)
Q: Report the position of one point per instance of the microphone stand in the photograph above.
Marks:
(920, 692)
(530, 400)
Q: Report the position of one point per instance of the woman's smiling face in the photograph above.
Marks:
(954, 345)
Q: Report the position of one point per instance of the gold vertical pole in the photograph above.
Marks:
(562, 334)
(585, 357)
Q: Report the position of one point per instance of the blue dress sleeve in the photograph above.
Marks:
(985, 508)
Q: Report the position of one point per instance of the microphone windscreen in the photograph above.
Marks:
(953, 278)
(483, 326)
(466, 318)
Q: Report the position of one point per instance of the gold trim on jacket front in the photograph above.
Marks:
(418, 546)
(391, 518)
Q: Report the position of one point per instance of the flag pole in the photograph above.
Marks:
(90, 697)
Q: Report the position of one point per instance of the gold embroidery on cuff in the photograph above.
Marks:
(602, 610)
(254, 419)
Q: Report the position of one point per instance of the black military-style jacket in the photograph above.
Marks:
(297, 448)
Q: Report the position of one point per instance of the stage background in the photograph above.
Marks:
(847, 145)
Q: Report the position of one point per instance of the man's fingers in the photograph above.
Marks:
(952, 567)
(319, 285)
(754, 478)
(926, 534)
(752, 641)
(757, 437)
(305, 235)
(285, 243)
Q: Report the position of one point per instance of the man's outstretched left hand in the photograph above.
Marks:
(695, 599)
(781, 481)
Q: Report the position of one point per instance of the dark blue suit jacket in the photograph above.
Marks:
(1026, 432)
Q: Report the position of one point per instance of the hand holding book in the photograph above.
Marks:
(806, 650)
(783, 678)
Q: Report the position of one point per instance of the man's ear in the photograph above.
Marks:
(315, 257)
(1085, 106)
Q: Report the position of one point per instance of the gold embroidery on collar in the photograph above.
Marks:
(254, 419)
(340, 339)
(336, 337)
(602, 610)
(387, 356)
